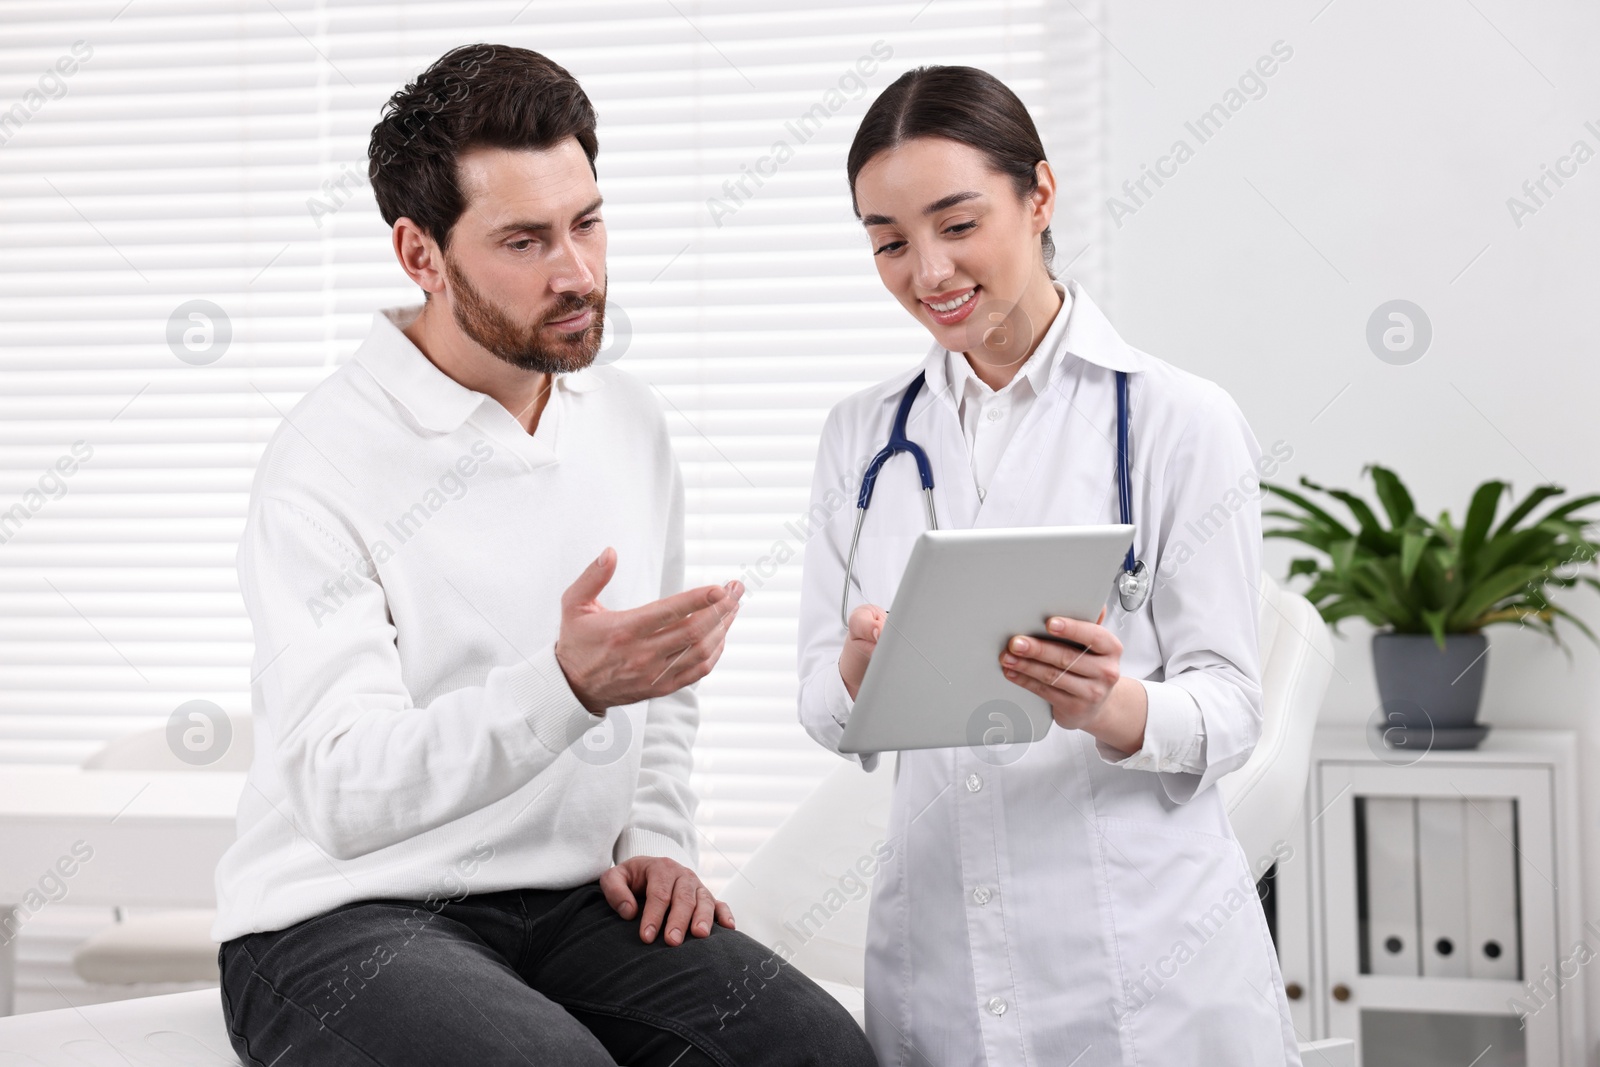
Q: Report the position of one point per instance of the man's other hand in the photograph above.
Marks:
(673, 896)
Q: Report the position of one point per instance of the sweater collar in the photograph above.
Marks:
(436, 400)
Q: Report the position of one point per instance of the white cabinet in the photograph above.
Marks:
(1430, 910)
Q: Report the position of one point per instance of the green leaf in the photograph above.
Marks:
(1324, 588)
(1315, 538)
(1303, 566)
(1379, 580)
(1491, 591)
(1532, 545)
(1570, 506)
(1312, 509)
(1435, 621)
(1392, 494)
(1348, 608)
(1584, 552)
(1538, 496)
(1373, 535)
(1480, 513)
(1446, 529)
(1411, 546)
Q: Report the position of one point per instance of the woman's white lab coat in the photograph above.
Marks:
(1078, 906)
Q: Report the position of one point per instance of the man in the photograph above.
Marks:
(467, 835)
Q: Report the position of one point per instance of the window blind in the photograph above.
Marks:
(188, 244)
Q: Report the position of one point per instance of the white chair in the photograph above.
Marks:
(842, 819)
(157, 946)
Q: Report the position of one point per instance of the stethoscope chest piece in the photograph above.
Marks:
(1133, 587)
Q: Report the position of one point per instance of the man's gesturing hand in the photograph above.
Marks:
(664, 884)
(613, 658)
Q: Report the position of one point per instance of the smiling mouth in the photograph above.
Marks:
(954, 309)
(951, 305)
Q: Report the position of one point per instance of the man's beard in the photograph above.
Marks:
(524, 346)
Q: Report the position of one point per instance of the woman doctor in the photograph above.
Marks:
(1080, 900)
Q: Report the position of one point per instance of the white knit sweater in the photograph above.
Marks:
(403, 561)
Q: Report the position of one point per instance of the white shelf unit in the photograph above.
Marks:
(1421, 1020)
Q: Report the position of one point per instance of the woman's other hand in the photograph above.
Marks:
(866, 625)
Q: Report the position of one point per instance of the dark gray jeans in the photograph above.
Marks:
(520, 977)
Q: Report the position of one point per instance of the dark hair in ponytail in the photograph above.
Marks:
(961, 104)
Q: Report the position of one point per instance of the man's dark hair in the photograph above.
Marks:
(478, 95)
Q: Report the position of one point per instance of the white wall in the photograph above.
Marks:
(1377, 165)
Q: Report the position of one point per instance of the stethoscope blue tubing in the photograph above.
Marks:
(900, 442)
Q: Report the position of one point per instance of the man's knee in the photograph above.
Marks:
(794, 1021)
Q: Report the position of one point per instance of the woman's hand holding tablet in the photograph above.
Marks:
(1079, 675)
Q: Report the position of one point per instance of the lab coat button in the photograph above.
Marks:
(974, 783)
(997, 1006)
(995, 413)
(981, 894)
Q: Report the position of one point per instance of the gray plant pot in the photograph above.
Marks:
(1431, 695)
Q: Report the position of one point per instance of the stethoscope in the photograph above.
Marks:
(1133, 584)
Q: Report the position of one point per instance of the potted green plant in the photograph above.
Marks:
(1432, 587)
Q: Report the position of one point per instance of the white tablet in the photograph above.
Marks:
(935, 679)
